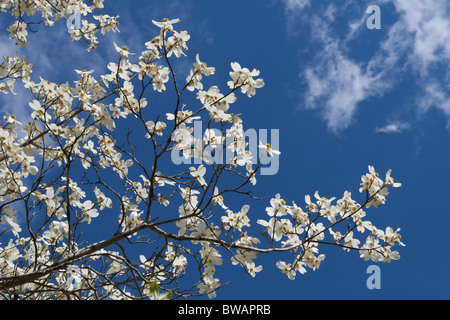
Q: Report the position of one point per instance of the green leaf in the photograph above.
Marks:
(154, 290)
(155, 295)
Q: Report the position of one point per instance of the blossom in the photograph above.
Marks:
(390, 180)
(252, 268)
(211, 257)
(244, 157)
(56, 231)
(315, 231)
(49, 199)
(115, 268)
(267, 149)
(4, 134)
(19, 31)
(120, 166)
(371, 182)
(107, 23)
(88, 210)
(178, 261)
(202, 67)
(369, 251)
(217, 114)
(39, 111)
(9, 254)
(120, 70)
(74, 278)
(209, 286)
(390, 236)
(160, 77)
(314, 262)
(204, 231)
(123, 51)
(166, 24)
(243, 257)
(177, 43)
(131, 220)
(160, 180)
(182, 116)
(362, 225)
(298, 214)
(278, 207)
(198, 174)
(328, 210)
(154, 128)
(349, 241)
(216, 103)
(211, 139)
(274, 228)
(286, 269)
(389, 255)
(218, 198)
(236, 220)
(15, 227)
(243, 78)
(195, 75)
(251, 173)
(102, 200)
(310, 205)
(211, 96)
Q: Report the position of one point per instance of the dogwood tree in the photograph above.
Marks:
(90, 211)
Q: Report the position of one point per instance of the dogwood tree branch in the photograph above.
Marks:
(106, 197)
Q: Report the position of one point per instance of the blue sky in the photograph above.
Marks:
(342, 96)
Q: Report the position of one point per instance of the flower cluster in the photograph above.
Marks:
(243, 78)
(51, 12)
(11, 69)
(297, 228)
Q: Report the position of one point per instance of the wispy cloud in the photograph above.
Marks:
(428, 21)
(417, 44)
(435, 95)
(336, 86)
(394, 127)
(292, 11)
(336, 83)
(428, 25)
(296, 5)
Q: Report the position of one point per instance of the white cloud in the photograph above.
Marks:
(417, 44)
(428, 22)
(336, 83)
(330, 12)
(394, 127)
(7, 46)
(435, 95)
(338, 86)
(296, 5)
(292, 10)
